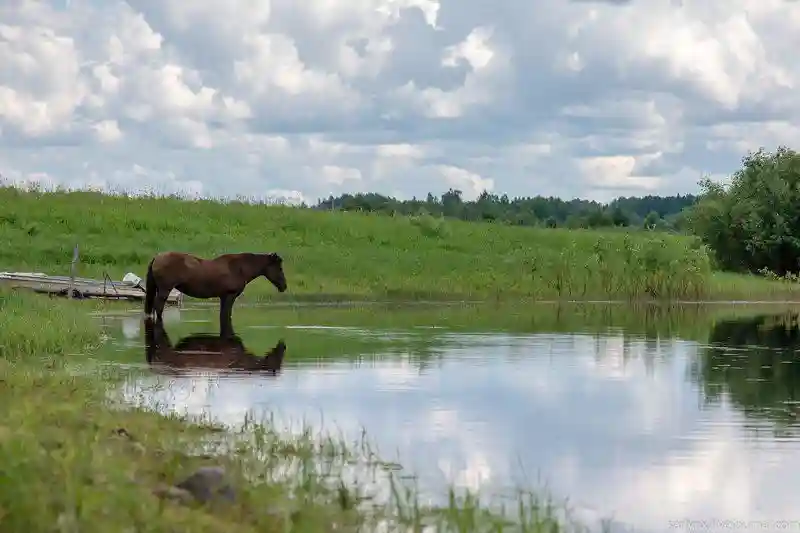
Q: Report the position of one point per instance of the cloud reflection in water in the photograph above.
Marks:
(615, 426)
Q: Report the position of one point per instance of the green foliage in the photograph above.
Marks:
(651, 220)
(42, 326)
(349, 255)
(431, 226)
(753, 224)
(538, 211)
(659, 268)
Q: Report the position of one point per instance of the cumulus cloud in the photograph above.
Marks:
(592, 99)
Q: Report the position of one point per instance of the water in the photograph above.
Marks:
(651, 416)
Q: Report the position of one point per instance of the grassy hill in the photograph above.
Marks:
(355, 255)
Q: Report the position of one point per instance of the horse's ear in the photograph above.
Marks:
(275, 257)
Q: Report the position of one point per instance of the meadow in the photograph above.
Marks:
(76, 460)
(350, 255)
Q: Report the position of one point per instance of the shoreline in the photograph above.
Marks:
(109, 460)
(192, 304)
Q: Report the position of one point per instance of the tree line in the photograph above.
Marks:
(752, 224)
(651, 211)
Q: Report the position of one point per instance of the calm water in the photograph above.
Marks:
(648, 415)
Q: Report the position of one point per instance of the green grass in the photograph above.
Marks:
(346, 255)
(728, 286)
(66, 466)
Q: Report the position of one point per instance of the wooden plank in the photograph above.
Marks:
(87, 287)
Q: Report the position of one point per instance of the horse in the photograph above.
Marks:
(223, 277)
(203, 350)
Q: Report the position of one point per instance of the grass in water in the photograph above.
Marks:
(72, 460)
(362, 256)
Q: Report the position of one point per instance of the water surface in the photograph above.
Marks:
(648, 415)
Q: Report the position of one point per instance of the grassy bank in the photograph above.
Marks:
(71, 461)
(352, 255)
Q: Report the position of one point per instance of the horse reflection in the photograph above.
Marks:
(207, 351)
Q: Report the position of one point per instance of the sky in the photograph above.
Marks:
(295, 101)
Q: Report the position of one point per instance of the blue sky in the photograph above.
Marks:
(299, 100)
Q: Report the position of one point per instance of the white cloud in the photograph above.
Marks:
(574, 98)
(469, 183)
(616, 172)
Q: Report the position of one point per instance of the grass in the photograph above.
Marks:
(347, 255)
(71, 460)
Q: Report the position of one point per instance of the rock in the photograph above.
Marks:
(207, 483)
(122, 432)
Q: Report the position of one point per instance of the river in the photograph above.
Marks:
(648, 415)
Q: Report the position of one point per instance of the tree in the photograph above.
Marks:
(755, 222)
(651, 220)
(523, 211)
(619, 217)
(452, 203)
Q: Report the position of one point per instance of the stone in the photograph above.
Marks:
(208, 483)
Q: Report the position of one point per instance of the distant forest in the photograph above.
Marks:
(652, 212)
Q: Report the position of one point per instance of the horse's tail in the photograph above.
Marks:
(150, 289)
(273, 360)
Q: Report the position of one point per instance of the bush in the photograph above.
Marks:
(754, 224)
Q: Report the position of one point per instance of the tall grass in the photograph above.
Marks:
(354, 255)
(42, 327)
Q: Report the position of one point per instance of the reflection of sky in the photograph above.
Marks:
(616, 438)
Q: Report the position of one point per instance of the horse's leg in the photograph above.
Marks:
(231, 300)
(161, 300)
(225, 323)
(225, 312)
(156, 340)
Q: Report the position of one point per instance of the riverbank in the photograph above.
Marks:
(347, 255)
(74, 460)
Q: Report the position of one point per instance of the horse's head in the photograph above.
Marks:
(273, 271)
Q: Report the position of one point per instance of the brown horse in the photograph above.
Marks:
(203, 350)
(223, 277)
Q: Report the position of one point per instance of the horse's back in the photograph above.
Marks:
(170, 257)
(173, 259)
(175, 262)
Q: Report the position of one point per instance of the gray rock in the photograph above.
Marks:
(208, 483)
